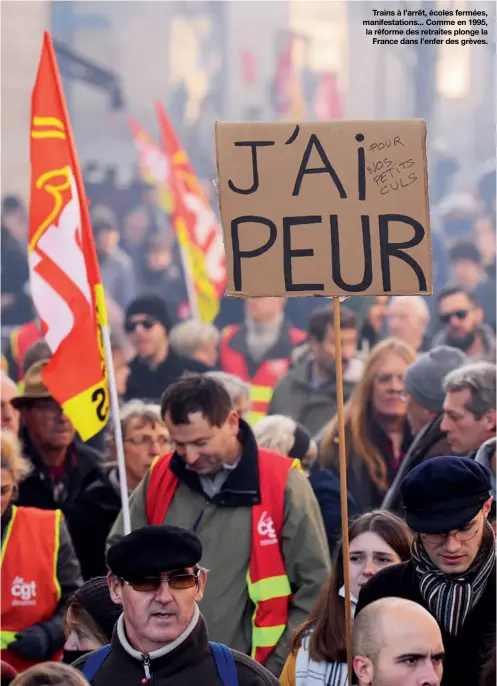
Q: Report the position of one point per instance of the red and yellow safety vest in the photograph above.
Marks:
(30, 588)
(267, 375)
(267, 582)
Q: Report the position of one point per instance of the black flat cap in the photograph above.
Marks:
(153, 550)
(444, 493)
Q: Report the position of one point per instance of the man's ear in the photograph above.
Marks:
(490, 419)
(115, 588)
(202, 580)
(233, 421)
(479, 315)
(486, 507)
(363, 667)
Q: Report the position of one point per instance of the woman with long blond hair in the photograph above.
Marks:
(377, 433)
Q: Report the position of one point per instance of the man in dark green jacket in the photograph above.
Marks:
(307, 393)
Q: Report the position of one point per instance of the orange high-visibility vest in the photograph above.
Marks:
(267, 582)
(30, 588)
(266, 377)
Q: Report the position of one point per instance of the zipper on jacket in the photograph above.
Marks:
(146, 669)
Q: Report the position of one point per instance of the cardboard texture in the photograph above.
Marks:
(325, 208)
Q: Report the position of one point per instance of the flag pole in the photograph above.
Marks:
(190, 286)
(118, 434)
(101, 314)
(343, 483)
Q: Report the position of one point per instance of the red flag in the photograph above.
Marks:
(327, 101)
(289, 92)
(198, 229)
(65, 277)
(155, 168)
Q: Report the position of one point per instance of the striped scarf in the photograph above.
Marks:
(451, 599)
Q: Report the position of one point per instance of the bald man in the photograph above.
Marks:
(9, 416)
(396, 642)
(408, 317)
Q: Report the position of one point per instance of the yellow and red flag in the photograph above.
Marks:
(198, 230)
(64, 274)
(154, 166)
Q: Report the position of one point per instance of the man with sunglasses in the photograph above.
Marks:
(462, 319)
(156, 364)
(452, 567)
(161, 637)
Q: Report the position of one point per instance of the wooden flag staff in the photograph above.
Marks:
(343, 482)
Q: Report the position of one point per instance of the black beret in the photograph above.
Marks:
(444, 493)
(153, 550)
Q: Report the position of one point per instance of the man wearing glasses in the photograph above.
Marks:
(161, 637)
(452, 568)
(461, 316)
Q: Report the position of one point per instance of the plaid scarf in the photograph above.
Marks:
(451, 599)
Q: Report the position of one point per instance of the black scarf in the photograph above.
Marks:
(451, 599)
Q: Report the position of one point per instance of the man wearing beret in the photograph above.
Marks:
(452, 568)
(253, 510)
(161, 638)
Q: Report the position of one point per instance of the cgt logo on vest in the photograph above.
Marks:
(266, 531)
(23, 592)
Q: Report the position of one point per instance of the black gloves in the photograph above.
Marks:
(32, 643)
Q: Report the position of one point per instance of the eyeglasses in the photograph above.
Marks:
(148, 440)
(147, 324)
(459, 535)
(459, 314)
(178, 582)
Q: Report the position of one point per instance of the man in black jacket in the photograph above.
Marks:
(161, 637)
(62, 466)
(156, 364)
(424, 399)
(452, 568)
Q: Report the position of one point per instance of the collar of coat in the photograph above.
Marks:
(161, 652)
(241, 488)
(189, 648)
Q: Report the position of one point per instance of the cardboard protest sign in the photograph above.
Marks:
(325, 208)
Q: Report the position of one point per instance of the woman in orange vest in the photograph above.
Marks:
(39, 570)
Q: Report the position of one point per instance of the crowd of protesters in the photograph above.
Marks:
(231, 447)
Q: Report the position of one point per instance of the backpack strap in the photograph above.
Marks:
(94, 661)
(225, 664)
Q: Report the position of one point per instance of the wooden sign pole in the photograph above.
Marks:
(343, 482)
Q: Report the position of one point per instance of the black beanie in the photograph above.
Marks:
(94, 596)
(153, 306)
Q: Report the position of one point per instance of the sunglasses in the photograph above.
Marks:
(147, 324)
(5, 490)
(460, 314)
(178, 582)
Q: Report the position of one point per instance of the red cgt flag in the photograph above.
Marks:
(64, 274)
(197, 228)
